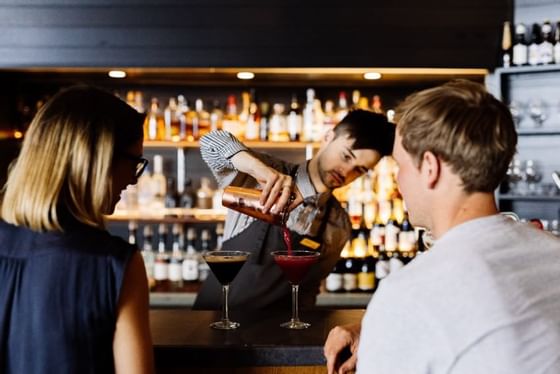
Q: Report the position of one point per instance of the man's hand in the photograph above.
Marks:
(276, 187)
(341, 340)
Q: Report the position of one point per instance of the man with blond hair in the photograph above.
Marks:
(486, 297)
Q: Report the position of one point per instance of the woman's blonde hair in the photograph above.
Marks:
(64, 170)
(465, 126)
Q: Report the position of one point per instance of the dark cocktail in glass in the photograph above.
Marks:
(225, 265)
(295, 265)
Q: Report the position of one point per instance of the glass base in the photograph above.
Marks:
(224, 325)
(295, 325)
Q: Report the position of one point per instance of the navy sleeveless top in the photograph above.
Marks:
(58, 299)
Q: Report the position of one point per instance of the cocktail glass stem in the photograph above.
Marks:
(295, 308)
(225, 310)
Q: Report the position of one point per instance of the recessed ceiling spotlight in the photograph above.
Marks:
(245, 75)
(117, 74)
(372, 75)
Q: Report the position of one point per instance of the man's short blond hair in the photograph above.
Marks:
(465, 126)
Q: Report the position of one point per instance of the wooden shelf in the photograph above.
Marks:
(555, 198)
(553, 130)
(173, 215)
(249, 144)
(528, 69)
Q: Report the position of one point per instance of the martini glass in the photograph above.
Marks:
(225, 265)
(295, 265)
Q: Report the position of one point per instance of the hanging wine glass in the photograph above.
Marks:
(538, 111)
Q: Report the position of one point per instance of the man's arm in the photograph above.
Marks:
(225, 155)
(341, 343)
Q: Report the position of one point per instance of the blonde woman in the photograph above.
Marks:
(74, 299)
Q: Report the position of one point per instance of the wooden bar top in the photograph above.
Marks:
(182, 339)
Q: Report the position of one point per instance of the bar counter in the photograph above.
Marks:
(183, 341)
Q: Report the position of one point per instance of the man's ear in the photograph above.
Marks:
(329, 136)
(430, 169)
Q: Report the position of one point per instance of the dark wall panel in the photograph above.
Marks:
(405, 33)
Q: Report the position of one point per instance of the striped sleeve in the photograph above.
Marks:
(217, 148)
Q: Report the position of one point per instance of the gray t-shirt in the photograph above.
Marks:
(484, 299)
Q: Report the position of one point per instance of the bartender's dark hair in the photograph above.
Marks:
(369, 130)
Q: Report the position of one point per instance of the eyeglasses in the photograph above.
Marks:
(141, 163)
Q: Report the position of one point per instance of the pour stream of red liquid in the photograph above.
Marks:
(287, 239)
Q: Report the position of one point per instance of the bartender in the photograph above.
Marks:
(316, 220)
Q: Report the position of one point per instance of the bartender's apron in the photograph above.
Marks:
(260, 283)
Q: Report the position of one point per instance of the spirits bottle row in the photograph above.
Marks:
(155, 192)
(538, 44)
(174, 261)
(179, 120)
(370, 257)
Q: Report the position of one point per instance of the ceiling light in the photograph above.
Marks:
(117, 74)
(372, 75)
(245, 75)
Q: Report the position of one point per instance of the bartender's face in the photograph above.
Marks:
(339, 164)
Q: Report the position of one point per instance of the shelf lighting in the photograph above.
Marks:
(372, 75)
(245, 75)
(117, 74)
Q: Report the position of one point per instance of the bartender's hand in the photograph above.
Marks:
(342, 339)
(276, 186)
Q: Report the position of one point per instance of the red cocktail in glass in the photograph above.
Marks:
(295, 265)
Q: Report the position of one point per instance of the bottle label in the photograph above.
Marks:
(519, 54)
(534, 54)
(161, 270)
(334, 282)
(190, 269)
(350, 281)
(366, 281)
(557, 53)
(546, 52)
(203, 271)
(175, 271)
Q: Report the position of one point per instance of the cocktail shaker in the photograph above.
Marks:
(246, 201)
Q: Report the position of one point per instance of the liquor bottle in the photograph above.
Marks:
(264, 124)
(244, 114)
(318, 120)
(155, 124)
(334, 281)
(203, 268)
(376, 105)
(556, 48)
(230, 121)
(392, 230)
(201, 126)
(534, 45)
(308, 116)
(407, 239)
(342, 109)
(253, 123)
(363, 103)
(377, 234)
(366, 276)
(546, 48)
(329, 117)
(190, 259)
(132, 232)
(216, 116)
(506, 45)
(369, 202)
(161, 265)
(159, 183)
(186, 200)
(145, 190)
(176, 259)
(148, 254)
(219, 236)
(278, 130)
(204, 194)
(294, 120)
(356, 99)
(520, 49)
(182, 110)
(171, 198)
(350, 275)
(355, 203)
(171, 120)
